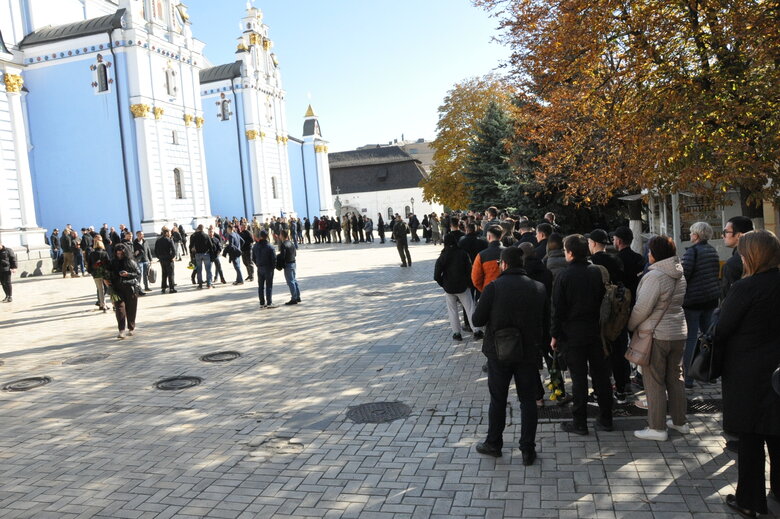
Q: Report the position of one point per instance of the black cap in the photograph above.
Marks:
(599, 236)
(624, 233)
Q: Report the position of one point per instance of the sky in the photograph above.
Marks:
(372, 70)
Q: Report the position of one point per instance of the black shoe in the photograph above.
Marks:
(569, 427)
(403, 264)
(291, 302)
(163, 290)
(529, 457)
(173, 291)
(564, 400)
(141, 293)
(250, 278)
(602, 426)
(238, 282)
(298, 300)
(457, 337)
(479, 335)
(592, 399)
(732, 446)
(485, 448)
(484, 367)
(147, 289)
(731, 502)
(620, 397)
(200, 286)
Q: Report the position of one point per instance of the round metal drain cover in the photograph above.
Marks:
(87, 359)
(374, 294)
(378, 412)
(26, 384)
(221, 356)
(177, 383)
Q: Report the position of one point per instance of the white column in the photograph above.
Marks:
(676, 219)
(142, 113)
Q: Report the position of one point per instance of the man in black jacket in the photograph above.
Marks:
(401, 241)
(165, 251)
(143, 256)
(246, 251)
(576, 305)
(7, 267)
(453, 273)
(732, 270)
(471, 242)
(264, 258)
(201, 245)
(498, 309)
(414, 224)
(287, 250)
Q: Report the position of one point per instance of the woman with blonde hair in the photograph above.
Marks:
(747, 347)
(659, 311)
(97, 266)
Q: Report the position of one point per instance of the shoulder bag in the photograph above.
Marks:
(641, 345)
(704, 366)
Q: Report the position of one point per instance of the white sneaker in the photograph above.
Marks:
(682, 429)
(130, 332)
(121, 335)
(652, 434)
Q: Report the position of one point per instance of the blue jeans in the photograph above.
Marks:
(696, 320)
(237, 265)
(144, 266)
(289, 276)
(78, 262)
(200, 259)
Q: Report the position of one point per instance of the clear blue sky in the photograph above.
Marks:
(374, 69)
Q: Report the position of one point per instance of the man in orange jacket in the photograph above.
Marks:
(485, 268)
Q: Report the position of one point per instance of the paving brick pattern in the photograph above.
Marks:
(266, 435)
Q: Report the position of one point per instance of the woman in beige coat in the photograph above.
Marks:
(659, 306)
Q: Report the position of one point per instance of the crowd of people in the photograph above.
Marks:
(587, 304)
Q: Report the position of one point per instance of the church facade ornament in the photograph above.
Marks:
(199, 122)
(158, 112)
(320, 148)
(188, 119)
(139, 110)
(13, 82)
(251, 134)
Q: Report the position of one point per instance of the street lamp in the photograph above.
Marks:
(412, 201)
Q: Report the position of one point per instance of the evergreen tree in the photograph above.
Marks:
(487, 170)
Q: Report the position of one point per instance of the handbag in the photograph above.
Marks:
(280, 261)
(509, 345)
(152, 275)
(702, 364)
(641, 345)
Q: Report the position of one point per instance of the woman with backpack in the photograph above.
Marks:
(701, 265)
(658, 311)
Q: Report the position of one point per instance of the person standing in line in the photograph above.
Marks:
(555, 260)
(658, 309)
(336, 225)
(299, 231)
(176, 237)
(165, 251)
(264, 257)
(345, 228)
(201, 246)
(748, 336)
(435, 229)
(56, 250)
(98, 266)
(400, 229)
(7, 268)
(543, 232)
(67, 254)
(143, 256)
(497, 309)
(360, 224)
(472, 243)
(576, 330)
(369, 228)
(235, 253)
(380, 228)
(86, 245)
(453, 273)
(214, 252)
(735, 228)
(307, 228)
(183, 235)
(123, 282)
(246, 251)
(287, 250)
(426, 225)
(414, 224)
(486, 264)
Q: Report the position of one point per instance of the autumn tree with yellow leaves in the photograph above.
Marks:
(626, 94)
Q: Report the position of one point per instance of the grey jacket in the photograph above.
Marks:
(664, 280)
(555, 262)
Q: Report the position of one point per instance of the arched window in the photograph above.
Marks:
(102, 77)
(170, 82)
(390, 213)
(407, 211)
(225, 110)
(177, 183)
(274, 190)
(159, 13)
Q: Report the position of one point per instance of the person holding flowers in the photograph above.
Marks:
(124, 288)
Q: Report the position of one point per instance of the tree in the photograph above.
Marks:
(461, 111)
(487, 171)
(629, 94)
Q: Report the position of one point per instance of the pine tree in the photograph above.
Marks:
(487, 169)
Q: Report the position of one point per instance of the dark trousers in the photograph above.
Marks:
(125, 309)
(246, 257)
(580, 357)
(403, 251)
(414, 234)
(526, 378)
(218, 274)
(751, 478)
(5, 280)
(621, 370)
(308, 236)
(381, 236)
(166, 271)
(265, 283)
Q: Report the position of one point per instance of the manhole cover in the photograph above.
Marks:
(176, 383)
(87, 359)
(374, 294)
(220, 356)
(378, 412)
(26, 384)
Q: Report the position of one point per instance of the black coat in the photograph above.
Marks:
(732, 271)
(7, 259)
(96, 256)
(701, 265)
(613, 265)
(747, 340)
(576, 304)
(200, 242)
(164, 249)
(633, 266)
(141, 251)
(498, 308)
(453, 270)
(472, 244)
(287, 250)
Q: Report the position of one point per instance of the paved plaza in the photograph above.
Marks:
(267, 434)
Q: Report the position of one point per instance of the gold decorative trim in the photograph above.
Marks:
(158, 112)
(320, 148)
(241, 47)
(251, 134)
(254, 38)
(140, 110)
(262, 135)
(13, 82)
(199, 122)
(282, 140)
(267, 44)
(188, 119)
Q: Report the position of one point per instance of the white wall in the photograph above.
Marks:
(397, 199)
